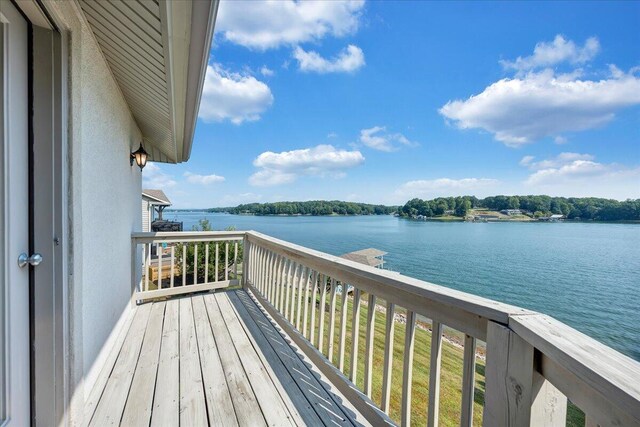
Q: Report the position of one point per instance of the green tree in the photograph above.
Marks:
(463, 207)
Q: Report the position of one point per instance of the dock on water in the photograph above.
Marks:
(370, 256)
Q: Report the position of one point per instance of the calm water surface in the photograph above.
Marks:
(586, 275)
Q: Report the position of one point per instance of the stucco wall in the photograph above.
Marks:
(104, 206)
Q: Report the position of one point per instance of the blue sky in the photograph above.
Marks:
(381, 102)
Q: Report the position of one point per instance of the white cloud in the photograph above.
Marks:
(266, 71)
(271, 24)
(538, 102)
(348, 60)
(441, 187)
(203, 179)
(560, 160)
(232, 96)
(580, 175)
(378, 139)
(287, 166)
(153, 177)
(526, 160)
(332, 135)
(560, 50)
(525, 109)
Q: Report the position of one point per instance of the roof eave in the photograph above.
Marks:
(187, 78)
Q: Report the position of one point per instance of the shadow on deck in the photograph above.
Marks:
(213, 359)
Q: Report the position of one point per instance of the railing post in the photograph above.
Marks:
(509, 378)
(136, 285)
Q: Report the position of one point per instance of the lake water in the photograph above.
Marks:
(584, 274)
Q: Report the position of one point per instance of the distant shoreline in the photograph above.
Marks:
(431, 219)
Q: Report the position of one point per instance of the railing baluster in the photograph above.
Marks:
(276, 282)
(323, 302)
(287, 293)
(368, 358)
(270, 282)
(147, 255)
(355, 335)
(206, 262)
(294, 273)
(299, 291)
(235, 260)
(343, 326)
(195, 264)
(305, 309)
(259, 269)
(288, 304)
(159, 249)
(172, 264)
(434, 374)
(468, 381)
(184, 265)
(314, 297)
(388, 358)
(281, 283)
(264, 269)
(226, 260)
(216, 263)
(332, 319)
(407, 368)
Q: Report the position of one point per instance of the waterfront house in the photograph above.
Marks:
(511, 212)
(88, 338)
(153, 201)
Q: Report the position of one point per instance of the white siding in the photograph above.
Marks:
(146, 216)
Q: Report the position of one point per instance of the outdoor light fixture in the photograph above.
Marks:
(139, 156)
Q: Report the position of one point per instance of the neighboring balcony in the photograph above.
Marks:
(239, 328)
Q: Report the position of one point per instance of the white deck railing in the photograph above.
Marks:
(533, 362)
(185, 262)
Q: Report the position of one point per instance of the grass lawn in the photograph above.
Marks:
(451, 370)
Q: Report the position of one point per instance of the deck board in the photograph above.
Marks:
(137, 411)
(219, 403)
(166, 405)
(213, 359)
(114, 397)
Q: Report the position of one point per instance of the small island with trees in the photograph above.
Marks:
(314, 207)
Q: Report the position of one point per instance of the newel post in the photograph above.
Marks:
(515, 393)
(136, 280)
(508, 378)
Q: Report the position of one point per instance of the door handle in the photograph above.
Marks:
(24, 259)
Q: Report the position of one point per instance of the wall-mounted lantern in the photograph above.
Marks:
(139, 156)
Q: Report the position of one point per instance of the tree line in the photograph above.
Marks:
(315, 207)
(578, 208)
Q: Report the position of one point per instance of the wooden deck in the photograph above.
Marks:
(212, 359)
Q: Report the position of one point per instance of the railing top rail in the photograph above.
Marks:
(483, 307)
(180, 236)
